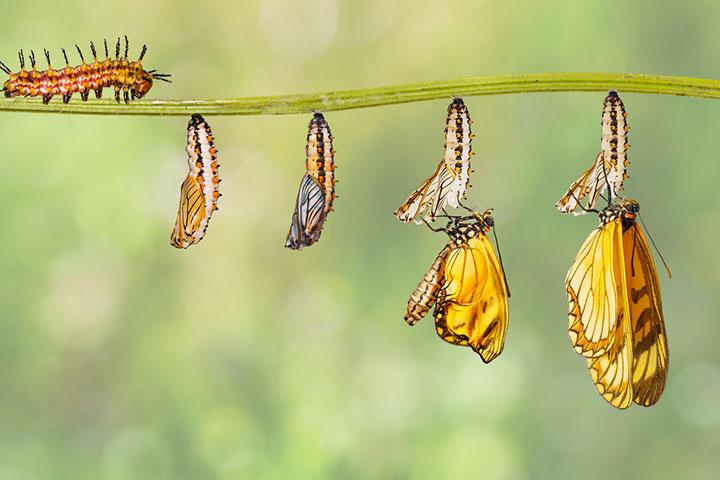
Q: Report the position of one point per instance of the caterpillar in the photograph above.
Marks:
(200, 191)
(124, 76)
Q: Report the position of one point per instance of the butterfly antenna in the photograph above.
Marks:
(667, 269)
(497, 244)
(465, 207)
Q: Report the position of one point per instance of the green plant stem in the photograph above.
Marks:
(375, 97)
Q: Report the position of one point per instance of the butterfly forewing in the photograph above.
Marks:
(591, 285)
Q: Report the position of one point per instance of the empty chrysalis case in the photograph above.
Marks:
(451, 178)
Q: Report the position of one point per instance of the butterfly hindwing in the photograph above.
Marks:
(650, 350)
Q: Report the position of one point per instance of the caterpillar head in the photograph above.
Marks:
(142, 85)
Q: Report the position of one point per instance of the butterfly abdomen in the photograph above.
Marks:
(424, 296)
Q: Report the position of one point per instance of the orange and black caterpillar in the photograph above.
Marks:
(124, 76)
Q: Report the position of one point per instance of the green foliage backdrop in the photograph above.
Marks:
(122, 358)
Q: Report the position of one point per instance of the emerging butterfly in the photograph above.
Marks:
(200, 190)
(451, 178)
(468, 287)
(317, 187)
(610, 166)
(615, 312)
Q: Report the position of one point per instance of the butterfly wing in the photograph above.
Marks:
(650, 349)
(599, 324)
(191, 211)
(591, 184)
(428, 200)
(472, 308)
(425, 295)
(611, 372)
(592, 284)
(309, 215)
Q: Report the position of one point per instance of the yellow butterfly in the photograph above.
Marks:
(615, 312)
(467, 284)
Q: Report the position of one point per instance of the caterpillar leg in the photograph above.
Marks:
(117, 95)
(67, 97)
(126, 96)
(84, 95)
(98, 92)
(46, 98)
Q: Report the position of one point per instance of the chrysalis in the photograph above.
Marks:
(200, 190)
(451, 178)
(610, 166)
(317, 187)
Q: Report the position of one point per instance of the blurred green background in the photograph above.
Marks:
(123, 358)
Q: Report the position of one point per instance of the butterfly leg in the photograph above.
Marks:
(465, 206)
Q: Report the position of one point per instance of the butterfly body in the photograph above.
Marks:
(467, 286)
